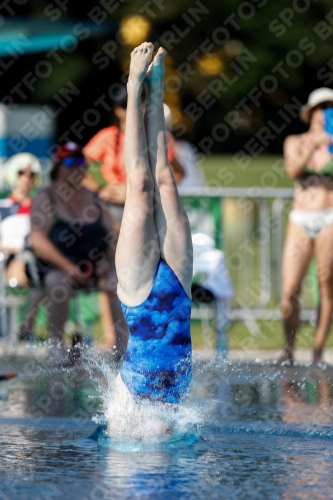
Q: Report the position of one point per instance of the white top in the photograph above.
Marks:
(13, 231)
(185, 154)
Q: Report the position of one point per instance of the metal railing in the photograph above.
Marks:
(251, 232)
(249, 226)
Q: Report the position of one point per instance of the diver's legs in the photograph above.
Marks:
(138, 250)
(170, 218)
(36, 295)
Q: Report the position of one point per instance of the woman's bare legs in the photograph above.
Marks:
(36, 295)
(171, 221)
(296, 258)
(324, 256)
(113, 321)
(138, 249)
(58, 291)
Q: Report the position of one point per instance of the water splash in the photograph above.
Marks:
(130, 426)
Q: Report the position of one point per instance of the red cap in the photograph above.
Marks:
(66, 150)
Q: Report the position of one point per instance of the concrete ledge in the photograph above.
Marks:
(40, 352)
(301, 355)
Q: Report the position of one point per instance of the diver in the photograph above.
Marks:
(154, 253)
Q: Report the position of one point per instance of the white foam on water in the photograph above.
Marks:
(128, 425)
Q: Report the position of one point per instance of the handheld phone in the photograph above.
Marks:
(329, 125)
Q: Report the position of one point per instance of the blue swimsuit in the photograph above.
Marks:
(157, 362)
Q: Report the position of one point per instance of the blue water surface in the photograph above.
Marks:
(266, 434)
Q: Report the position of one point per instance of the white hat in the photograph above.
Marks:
(316, 97)
(18, 162)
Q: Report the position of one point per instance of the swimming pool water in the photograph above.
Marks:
(266, 434)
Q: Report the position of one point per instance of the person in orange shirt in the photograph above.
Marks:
(106, 147)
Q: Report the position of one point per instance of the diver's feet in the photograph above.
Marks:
(287, 359)
(140, 60)
(155, 74)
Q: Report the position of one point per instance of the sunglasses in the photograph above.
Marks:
(32, 175)
(74, 161)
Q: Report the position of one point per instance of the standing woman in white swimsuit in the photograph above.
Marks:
(310, 228)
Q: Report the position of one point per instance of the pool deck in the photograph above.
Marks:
(28, 357)
(300, 355)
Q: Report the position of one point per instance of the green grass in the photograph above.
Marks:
(239, 337)
(222, 170)
(264, 171)
(270, 336)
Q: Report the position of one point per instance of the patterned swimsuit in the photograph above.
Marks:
(157, 362)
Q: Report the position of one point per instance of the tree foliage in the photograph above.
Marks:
(281, 48)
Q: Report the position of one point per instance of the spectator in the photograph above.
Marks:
(70, 231)
(19, 174)
(186, 156)
(310, 228)
(107, 147)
